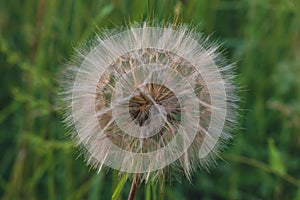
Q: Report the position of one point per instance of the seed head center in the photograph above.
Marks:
(140, 105)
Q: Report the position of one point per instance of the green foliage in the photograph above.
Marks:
(119, 187)
(38, 161)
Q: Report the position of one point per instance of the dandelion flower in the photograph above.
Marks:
(146, 99)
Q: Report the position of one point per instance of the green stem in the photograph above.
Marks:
(119, 186)
(263, 166)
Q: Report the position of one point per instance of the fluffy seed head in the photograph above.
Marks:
(147, 99)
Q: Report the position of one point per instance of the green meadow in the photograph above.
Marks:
(39, 161)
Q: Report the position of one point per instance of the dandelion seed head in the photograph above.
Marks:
(150, 98)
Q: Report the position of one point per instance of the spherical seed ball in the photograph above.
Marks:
(150, 98)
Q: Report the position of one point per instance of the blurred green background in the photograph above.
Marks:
(38, 161)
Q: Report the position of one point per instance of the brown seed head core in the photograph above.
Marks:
(140, 105)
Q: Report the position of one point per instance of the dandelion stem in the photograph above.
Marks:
(133, 188)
